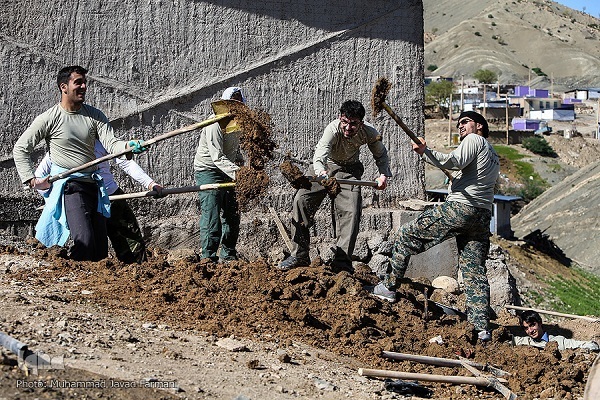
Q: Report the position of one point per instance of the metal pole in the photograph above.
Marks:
(462, 93)
(450, 122)
(506, 117)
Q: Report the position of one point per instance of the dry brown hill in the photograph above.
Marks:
(511, 37)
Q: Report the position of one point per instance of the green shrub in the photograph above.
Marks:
(477, 34)
(538, 71)
(432, 67)
(531, 184)
(539, 145)
(577, 294)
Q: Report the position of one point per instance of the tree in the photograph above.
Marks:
(485, 76)
(439, 93)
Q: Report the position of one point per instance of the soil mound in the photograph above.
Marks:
(316, 305)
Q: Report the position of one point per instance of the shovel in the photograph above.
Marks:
(151, 193)
(185, 189)
(223, 116)
(494, 382)
(298, 180)
(382, 87)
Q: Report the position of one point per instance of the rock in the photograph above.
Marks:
(446, 283)
(503, 286)
(437, 339)
(324, 385)
(231, 344)
(361, 250)
(374, 241)
(283, 356)
(183, 254)
(385, 247)
(379, 264)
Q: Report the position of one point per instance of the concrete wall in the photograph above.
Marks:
(156, 66)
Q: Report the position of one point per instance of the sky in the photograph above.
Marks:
(592, 7)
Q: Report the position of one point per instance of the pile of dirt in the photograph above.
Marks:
(325, 308)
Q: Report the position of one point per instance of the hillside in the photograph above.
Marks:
(511, 37)
(568, 211)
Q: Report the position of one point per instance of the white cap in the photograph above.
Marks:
(230, 91)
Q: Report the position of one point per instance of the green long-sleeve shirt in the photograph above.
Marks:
(340, 150)
(70, 137)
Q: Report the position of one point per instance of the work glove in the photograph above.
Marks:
(137, 146)
(158, 189)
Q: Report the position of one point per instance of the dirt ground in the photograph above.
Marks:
(179, 327)
(206, 330)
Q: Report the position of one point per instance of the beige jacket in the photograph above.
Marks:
(563, 343)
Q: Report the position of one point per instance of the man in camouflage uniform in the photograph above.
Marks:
(465, 215)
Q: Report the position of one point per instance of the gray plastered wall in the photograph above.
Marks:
(156, 65)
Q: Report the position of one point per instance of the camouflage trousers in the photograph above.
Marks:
(124, 232)
(471, 228)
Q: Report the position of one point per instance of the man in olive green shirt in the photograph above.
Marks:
(337, 155)
(215, 162)
(74, 206)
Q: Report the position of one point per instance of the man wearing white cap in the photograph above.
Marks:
(217, 160)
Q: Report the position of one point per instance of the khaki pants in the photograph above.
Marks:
(347, 207)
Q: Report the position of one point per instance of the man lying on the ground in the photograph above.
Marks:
(537, 337)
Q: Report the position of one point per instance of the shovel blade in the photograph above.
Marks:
(228, 125)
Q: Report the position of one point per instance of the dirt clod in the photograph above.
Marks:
(292, 173)
(380, 91)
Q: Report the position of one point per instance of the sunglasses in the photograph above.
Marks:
(463, 122)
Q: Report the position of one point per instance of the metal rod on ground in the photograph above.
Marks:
(441, 362)
(425, 305)
(185, 189)
(281, 229)
(13, 345)
(591, 319)
(495, 383)
(381, 373)
(156, 139)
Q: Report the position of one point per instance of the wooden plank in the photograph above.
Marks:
(590, 319)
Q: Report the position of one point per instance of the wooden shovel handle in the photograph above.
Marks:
(185, 189)
(411, 134)
(479, 381)
(156, 139)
